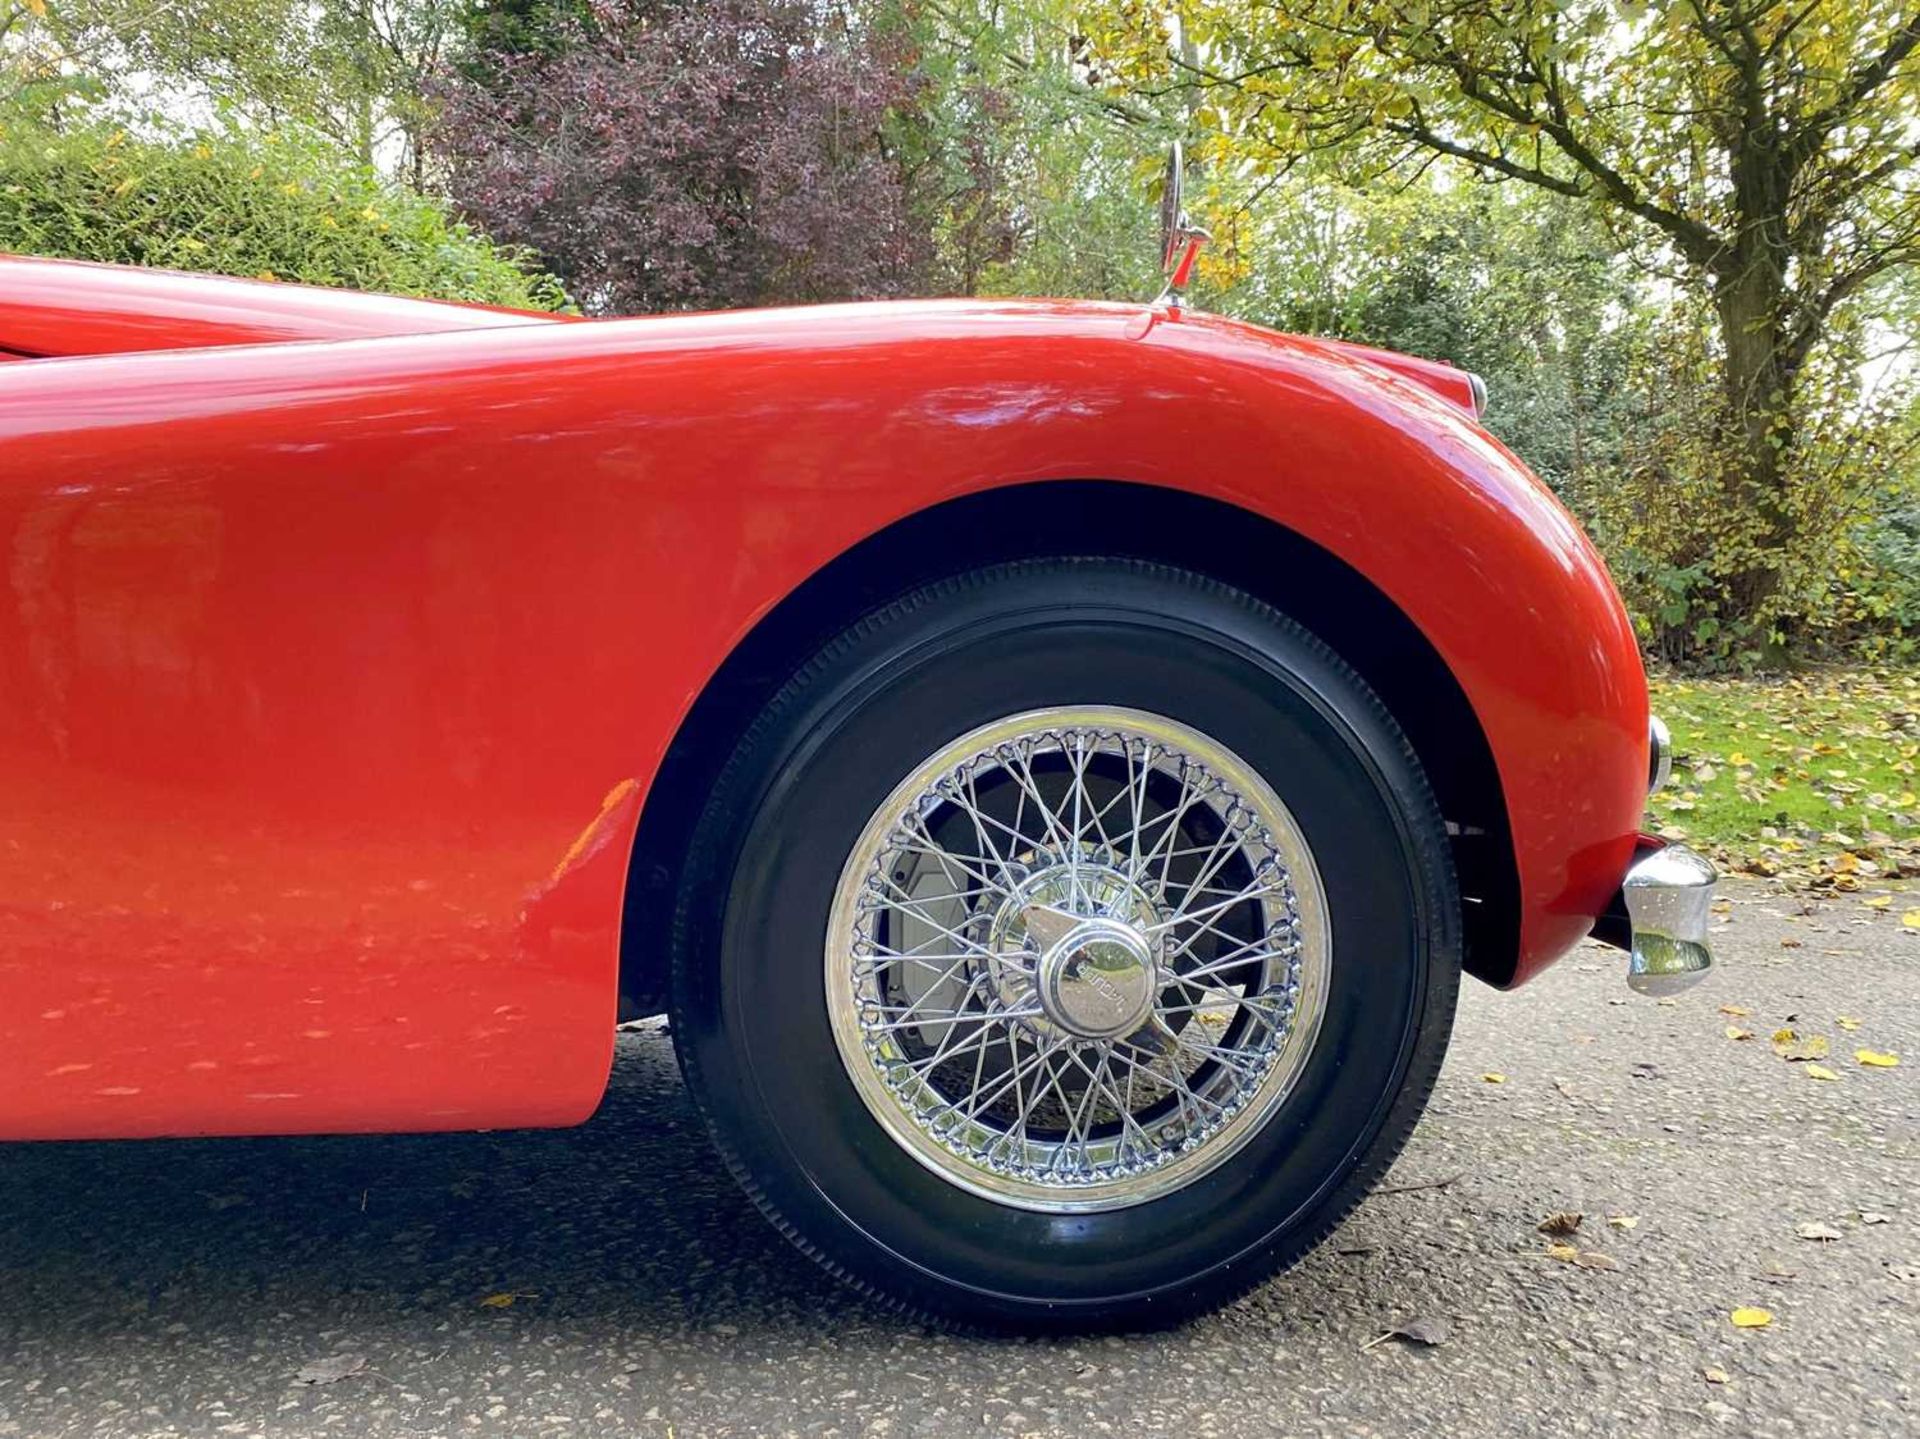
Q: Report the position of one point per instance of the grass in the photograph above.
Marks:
(1811, 778)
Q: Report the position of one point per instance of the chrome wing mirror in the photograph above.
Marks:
(1180, 238)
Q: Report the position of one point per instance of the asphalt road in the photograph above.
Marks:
(179, 1288)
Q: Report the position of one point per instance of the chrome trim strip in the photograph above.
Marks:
(1659, 754)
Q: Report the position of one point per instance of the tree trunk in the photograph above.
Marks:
(1760, 392)
(1756, 309)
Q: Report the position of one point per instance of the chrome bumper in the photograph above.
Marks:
(1668, 894)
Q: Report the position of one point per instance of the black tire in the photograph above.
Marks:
(749, 1011)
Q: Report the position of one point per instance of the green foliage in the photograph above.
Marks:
(1081, 217)
(278, 204)
(1809, 779)
(1678, 521)
(353, 71)
(1528, 294)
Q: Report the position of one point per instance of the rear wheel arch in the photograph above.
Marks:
(1089, 517)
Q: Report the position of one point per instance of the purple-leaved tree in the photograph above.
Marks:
(693, 154)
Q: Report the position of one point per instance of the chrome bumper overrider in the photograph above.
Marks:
(1669, 900)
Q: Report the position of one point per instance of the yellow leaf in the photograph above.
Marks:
(1494, 1078)
(37, 7)
(1734, 1031)
(1791, 1045)
(1911, 919)
(1738, 1011)
(1874, 1059)
(1879, 901)
(499, 1301)
(1847, 1022)
(1565, 1253)
(1820, 1071)
(1747, 1318)
(1714, 1374)
(1623, 1221)
(1737, 759)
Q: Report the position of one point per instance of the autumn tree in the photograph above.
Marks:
(1771, 146)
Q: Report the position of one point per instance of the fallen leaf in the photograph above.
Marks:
(1820, 1071)
(1847, 1022)
(1560, 1225)
(1623, 1221)
(1823, 1232)
(1565, 1253)
(1911, 919)
(1874, 1059)
(1714, 1374)
(1738, 1011)
(1749, 1318)
(329, 1370)
(1587, 1259)
(1424, 1332)
(1868, 1216)
(504, 1300)
(1734, 1031)
(1879, 901)
(1793, 1046)
(1494, 1078)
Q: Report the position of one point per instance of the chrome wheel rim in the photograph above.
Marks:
(1077, 958)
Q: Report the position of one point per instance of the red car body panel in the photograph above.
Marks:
(333, 676)
(71, 307)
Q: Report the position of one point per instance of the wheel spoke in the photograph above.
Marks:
(1028, 1058)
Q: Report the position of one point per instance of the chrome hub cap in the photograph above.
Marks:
(1098, 981)
(1077, 958)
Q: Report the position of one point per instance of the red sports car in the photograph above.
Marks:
(1053, 761)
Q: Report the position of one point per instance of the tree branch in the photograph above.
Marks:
(1695, 240)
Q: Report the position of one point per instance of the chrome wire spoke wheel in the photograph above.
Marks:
(1077, 958)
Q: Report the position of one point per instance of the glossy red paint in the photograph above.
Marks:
(1449, 382)
(332, 677)
(70, 307)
